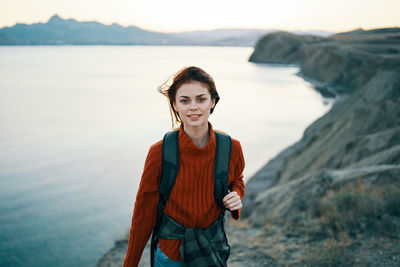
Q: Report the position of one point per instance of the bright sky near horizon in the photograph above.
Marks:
(183, 15)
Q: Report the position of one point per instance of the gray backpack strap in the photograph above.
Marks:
(170, 164)
(221, 170)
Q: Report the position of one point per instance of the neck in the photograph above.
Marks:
(199, 135)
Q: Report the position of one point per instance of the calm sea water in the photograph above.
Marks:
(76, 123)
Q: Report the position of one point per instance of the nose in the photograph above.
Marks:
(193, 105)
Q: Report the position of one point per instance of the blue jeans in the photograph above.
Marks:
(161, 260)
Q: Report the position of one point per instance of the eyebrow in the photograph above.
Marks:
(188, 97)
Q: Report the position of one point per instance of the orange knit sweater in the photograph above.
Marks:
(191, 202)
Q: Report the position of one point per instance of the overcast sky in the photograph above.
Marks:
(182, 15)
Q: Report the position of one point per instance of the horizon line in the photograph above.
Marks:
(198, 29)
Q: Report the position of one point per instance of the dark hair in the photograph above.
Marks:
(187, 75)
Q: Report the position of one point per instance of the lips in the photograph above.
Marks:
(194, 117)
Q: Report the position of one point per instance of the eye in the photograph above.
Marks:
(184, 101)
(201, 99)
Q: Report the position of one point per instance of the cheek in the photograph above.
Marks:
(206, 107)
(180, 107)
(209, 104)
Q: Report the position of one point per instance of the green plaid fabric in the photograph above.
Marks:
(199, 247)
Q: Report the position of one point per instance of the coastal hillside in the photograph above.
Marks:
(59, 31)
(333, 197)
(338, 64)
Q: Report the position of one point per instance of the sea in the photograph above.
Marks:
(76, 124)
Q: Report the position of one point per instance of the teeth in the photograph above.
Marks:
(194, 115)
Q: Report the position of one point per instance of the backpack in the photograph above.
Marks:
(170, 167)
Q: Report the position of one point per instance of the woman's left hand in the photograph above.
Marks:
(232, 201)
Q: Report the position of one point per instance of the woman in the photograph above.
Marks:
(192, 98)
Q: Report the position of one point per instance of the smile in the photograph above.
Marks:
(194, 117)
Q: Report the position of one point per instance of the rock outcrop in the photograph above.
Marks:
(338, 64)
(335, 189)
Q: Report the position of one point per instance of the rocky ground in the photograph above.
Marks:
(272, 245)
(332, 198)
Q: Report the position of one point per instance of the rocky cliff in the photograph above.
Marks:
(335, 193)
(338, 64)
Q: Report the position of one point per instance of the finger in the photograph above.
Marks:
(230, 195)
(233, 199)
(235, 203)
(236, 207)
(230, 203)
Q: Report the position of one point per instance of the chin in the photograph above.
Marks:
(196, 123)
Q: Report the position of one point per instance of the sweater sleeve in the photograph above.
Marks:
(237, 184)
(145, 209)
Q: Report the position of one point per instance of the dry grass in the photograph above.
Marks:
(332, 253)
(352, 213)
(356, 210)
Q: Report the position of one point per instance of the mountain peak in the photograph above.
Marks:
(55, 18)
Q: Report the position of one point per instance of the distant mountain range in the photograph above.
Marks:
(59, 31)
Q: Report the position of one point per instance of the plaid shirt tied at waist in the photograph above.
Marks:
(199, 247)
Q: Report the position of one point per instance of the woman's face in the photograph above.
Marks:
(193, 103)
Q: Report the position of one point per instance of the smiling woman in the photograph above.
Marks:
(193, 107)
(208, 183)
(195, 86)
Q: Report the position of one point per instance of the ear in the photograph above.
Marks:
(213, 103)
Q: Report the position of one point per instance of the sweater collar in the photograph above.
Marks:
(186, 145)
